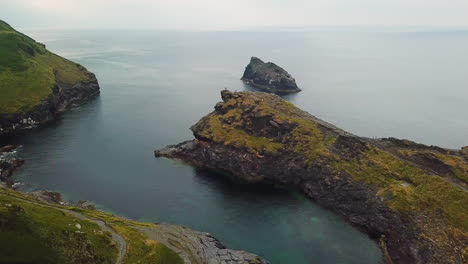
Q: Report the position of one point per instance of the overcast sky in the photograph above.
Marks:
(232, 14)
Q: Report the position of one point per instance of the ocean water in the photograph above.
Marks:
(155, 85)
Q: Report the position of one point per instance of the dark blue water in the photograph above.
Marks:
(156, 84)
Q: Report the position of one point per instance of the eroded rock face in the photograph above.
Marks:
(63, 98)
(199, 247)
(383, 187)
(269, 77)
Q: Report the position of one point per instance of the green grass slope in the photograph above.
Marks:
(28, 71)
(36, 232)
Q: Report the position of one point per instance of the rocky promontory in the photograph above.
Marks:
(35, 84)
(269, 77)
(411, 198)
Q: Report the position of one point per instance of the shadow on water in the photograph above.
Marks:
(227, 183)
(270, 211)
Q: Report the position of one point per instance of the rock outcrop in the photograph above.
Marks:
(410, 198)
(8, 163)
(269, 77)
(198, 247)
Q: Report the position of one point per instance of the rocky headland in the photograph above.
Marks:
(36, 85)
(411, 198)
(269, 77)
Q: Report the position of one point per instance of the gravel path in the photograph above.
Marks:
(118, 239)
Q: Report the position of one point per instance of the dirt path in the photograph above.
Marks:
(118, 239)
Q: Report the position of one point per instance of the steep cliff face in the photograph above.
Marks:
(410, 197)
(36, 84)
(269, 77)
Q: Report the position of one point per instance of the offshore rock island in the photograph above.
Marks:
(269, 77)
(35, 84)
(411, 198)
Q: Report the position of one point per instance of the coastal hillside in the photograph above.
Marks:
(36, 228)
(411, 198)
(35, 83)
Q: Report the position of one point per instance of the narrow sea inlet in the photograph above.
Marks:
(155, 85)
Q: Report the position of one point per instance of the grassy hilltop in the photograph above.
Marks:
(28, 71)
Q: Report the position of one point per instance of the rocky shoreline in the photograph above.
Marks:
(385, 187)
(63, 97)
(200, 247)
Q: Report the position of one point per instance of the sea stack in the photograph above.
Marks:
(269, 77)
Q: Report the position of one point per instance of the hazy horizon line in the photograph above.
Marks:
(269, 28)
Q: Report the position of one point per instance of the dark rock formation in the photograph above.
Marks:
(7, 148)
(384, 187)
(465, 152)
(8, 164)
(269, 77)
(63, 98)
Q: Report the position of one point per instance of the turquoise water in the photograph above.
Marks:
(156, 84)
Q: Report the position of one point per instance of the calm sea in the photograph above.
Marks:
(155, 85)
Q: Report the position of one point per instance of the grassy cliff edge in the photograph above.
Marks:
(32, 231)
(35, 83)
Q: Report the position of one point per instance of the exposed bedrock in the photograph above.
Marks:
(409, 197)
